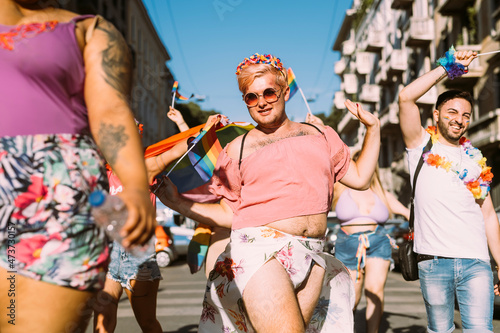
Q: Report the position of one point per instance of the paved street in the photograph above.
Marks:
(180, 296)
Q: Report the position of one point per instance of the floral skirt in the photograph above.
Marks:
(46, 232)
(248, 250)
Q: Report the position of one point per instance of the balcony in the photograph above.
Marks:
(398, 62)
(364, 62)
(389, 116)
(421, 32)
(350, 83)
(339, 100)
(348, 47)
(370, 93)
(375, 41)
(485, 130)
(453, 7)
(429, 98)
(401, 4)
(339, 67)
(381, 77)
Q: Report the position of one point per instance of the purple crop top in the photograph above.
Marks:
(42, 79)
(348, 211)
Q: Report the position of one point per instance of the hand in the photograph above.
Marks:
(167, 192)
(366, 118)
(214, 120)
(465, 57)
(175, 115)
(141, 221)
(312, 119)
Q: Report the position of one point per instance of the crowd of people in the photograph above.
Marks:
(65, 89)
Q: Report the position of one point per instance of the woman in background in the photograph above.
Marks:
(363, 244)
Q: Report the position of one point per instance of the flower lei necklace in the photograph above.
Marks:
(479, 186)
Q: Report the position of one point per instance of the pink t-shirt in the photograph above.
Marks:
(288, 178)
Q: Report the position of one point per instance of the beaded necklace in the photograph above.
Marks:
(479, 186)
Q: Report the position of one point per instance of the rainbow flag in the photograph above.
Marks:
(292, 83)
(195, 171)
(204, 153)
(179, 97)
(175, 86)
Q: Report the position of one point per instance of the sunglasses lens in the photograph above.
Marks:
(270, 95)
(251, 99)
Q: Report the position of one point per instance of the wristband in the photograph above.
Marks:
(452, 68)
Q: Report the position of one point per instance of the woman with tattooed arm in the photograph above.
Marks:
(64, 88)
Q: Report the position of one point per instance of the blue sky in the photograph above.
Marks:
(207, 39)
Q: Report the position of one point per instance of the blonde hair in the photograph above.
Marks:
(375, 186)
(252, 71)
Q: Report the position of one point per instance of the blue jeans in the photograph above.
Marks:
(470, 280)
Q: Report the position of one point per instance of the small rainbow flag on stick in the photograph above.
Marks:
(292, 83)
(176, 94)
(179, 97)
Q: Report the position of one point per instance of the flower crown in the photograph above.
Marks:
(260, 59)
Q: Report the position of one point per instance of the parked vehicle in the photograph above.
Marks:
(175, 230)
(165, 248)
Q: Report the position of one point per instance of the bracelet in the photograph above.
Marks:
(452, 68)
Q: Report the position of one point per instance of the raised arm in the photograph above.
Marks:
(107, 89)
(360, 173)
(409, 113)
(176, 116)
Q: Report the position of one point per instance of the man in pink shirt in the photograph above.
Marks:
(276, 182)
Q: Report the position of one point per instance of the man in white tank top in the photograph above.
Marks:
(455, 220)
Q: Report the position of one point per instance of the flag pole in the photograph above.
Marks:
(305, 100)
(173, 99)
(480, 54)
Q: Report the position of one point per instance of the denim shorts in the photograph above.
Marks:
(125, 267)
(354, 249)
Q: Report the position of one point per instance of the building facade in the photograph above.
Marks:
(386, 44)
(152, 79)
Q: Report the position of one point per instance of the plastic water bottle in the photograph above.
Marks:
(110, 212)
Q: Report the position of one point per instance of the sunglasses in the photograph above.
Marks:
(270, 95)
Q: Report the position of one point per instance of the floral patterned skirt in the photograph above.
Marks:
(46, 232)
(248, 250)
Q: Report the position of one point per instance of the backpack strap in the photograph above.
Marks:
(417, 171)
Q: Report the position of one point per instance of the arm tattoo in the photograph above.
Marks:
(111, 139)
(116, 62)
